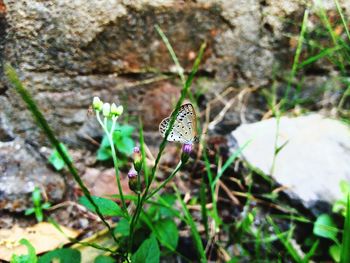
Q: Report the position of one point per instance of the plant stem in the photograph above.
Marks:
(117, 175)
(109, 134)
(170, 177)
(133, 222)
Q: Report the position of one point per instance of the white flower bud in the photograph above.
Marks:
(106, 109)
(97, 104)
(119, 110)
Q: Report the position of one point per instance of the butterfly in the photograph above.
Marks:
(184, 129)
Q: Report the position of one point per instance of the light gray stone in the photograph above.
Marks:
(315, 158)
(21, 170)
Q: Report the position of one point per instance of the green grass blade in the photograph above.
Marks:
(229, 161)
(311, 252)
(297, 55)
(342, 18)
(285, 241)
(179, 69)
(335, 39)
(324, 53)
(345, 247)
(204, 212)
(143, 152)
(40, 119)
(194, 231)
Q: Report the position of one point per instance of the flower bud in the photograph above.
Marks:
(106, 109)
(186, 150)
(97, 104)
(119, 110)
(133, 181)
(137, 159)
(114, 109)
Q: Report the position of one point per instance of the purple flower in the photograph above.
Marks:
(136, 150)
(187, 148)
(137, 159)
(132, 173)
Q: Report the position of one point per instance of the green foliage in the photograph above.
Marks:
(194, 231)
(167, 232)
(148, 252)
(38, 207)
(29, 258)
(122, 228)
(107, 207)
(286, 241)
(104, 259)
(345, 247)
(64, 255)
(121, 139)
(325, 227)
(335, 251)
(340, 205)
(56, 159)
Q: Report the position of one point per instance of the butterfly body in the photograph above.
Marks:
(184, 129)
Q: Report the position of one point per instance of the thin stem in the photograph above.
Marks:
(195, 234)
(296, 56)
(133, 222)
(180, 69)
(114, 156)
(170, 177)
(117, 175)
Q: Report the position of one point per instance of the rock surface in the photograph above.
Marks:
(20, 171)
(315, 158)
(66, 52)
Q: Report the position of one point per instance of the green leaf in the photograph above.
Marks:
(335, 251)
(36, 196)
(29, 211)
(325, 227)
(167, 233)
(126, 130)
(125, 145)
(106, 206)
(105, 142)
(147, 252)
(170, 200)
(65, 255)
(104, 259)
(46, 205)
(344, 187)
(56, 160)
(122, 228)
(345, 246)
(29, 258)
(104, 154)
(39, 214)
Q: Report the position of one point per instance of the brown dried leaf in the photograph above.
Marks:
(43, 236)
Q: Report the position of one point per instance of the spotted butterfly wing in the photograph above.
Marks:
(184, 128)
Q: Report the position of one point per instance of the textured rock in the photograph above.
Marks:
(66, 52)
(72, 51)
(20, 171)
(315, 158)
